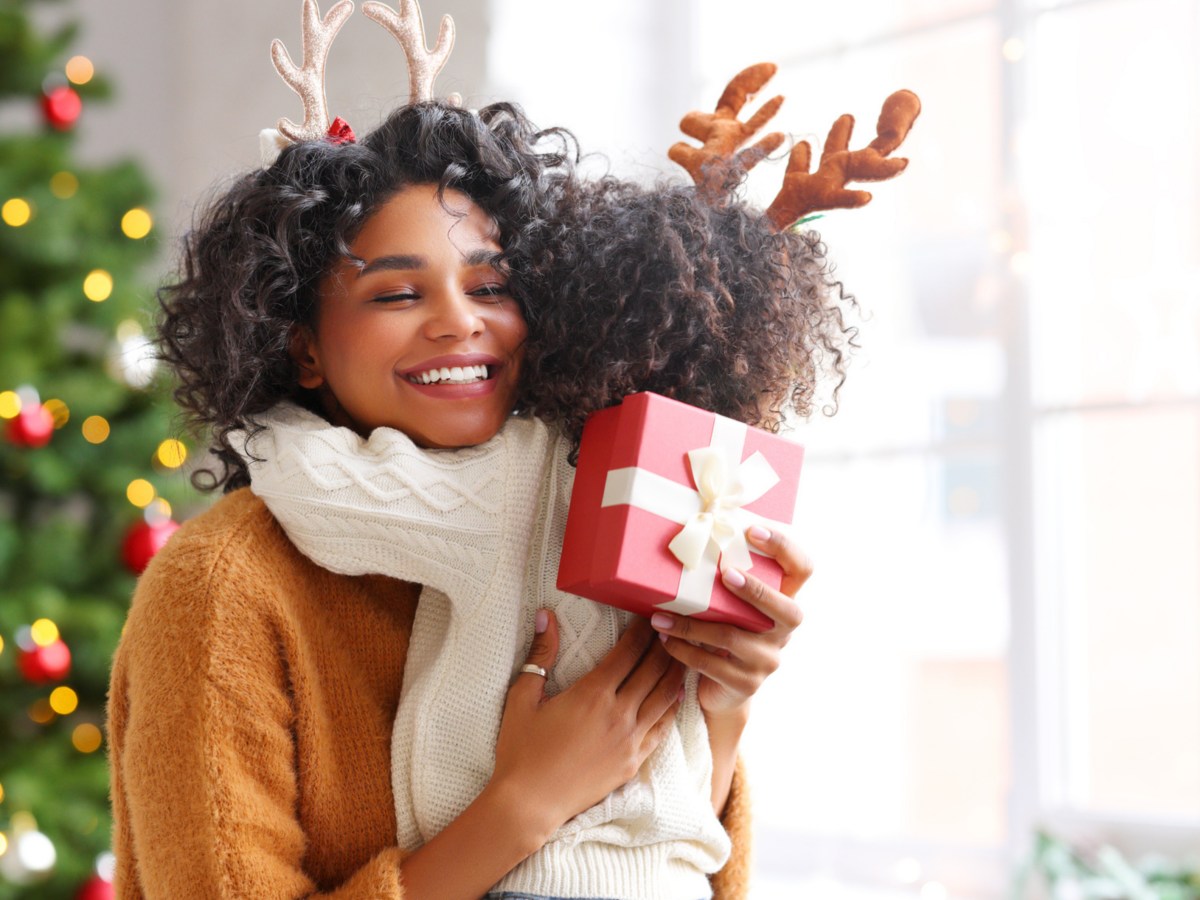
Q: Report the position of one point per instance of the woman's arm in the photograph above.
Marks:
(734, 662)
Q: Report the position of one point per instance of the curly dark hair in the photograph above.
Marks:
(656, 289)
(624, 288)
(252, 264)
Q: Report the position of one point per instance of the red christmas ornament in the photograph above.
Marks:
(142, 541)
(31, 427)
(45, 664)
(61, 107)
(95, 888)
(340, 132)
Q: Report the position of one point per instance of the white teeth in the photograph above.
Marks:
(454, 375)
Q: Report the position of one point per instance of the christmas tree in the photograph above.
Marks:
(89, 465)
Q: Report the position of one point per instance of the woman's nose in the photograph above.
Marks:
(453, 317)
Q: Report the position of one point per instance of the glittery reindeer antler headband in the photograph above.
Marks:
(719, 160)
(308, 79)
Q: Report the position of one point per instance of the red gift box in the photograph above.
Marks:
(663, 495)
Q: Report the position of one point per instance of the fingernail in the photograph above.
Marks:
(663, 636)
(682, 691)
(541, 621)
(733, 578)
(759, 534)
(662, 621)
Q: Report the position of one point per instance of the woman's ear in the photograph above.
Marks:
(302, 347)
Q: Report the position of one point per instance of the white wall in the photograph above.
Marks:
(195, 83)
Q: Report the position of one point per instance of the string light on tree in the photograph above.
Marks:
(41, 712)
(64, 185)
(171, 453)
(10, 404)
(136, 223)
(59, 412)
(98, 285)
(16, 212)
(132, 358)
(95, 429)
(63, 700)
(87, 738)
(79, 70)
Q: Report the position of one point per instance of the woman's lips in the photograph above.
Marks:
(451, 391)
(455, 390)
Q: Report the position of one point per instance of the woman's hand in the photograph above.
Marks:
(554, 758)
(734, 662)
(561, 755)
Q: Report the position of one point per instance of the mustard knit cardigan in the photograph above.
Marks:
(250, 723)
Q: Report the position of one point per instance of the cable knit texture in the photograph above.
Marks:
(250, 718)
(481, 529)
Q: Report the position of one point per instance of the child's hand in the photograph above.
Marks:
(734, 662)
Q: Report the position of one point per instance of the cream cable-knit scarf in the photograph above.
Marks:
(480, 529)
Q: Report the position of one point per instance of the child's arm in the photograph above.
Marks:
(733, 662)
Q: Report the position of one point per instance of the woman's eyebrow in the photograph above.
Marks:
(480, 257)
(397, 261)
(483, 257)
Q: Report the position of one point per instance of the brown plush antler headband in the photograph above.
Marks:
(803, 192)
(308, 79)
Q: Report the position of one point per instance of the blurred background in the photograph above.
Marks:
(996, 691)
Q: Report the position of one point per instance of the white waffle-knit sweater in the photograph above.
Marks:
(481, 528)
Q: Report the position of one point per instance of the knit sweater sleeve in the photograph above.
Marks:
(203, 761)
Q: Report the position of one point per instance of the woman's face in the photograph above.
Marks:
(419, 333)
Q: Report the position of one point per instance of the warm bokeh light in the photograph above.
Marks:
(1013, 49)
(64, 185)
(86, 738)
(140, 493)
(1, 800)
(10, 404)
(3, 843)
(171, 453)
(58, 411)
(43, 632)
(98, 286)
(95, 429)
(41, 712)
(64, 701)
(80, 70)
(136, 223)
(16, 212)
(1, 651)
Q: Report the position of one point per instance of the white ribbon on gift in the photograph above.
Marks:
(714, 521)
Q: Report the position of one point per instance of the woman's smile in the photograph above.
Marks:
(417, 331)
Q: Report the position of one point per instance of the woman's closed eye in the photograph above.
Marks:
(492, 289)
(397, 297)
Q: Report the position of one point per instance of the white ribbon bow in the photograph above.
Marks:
(714, 522)
(723, 490)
